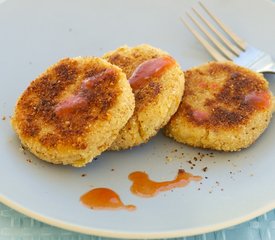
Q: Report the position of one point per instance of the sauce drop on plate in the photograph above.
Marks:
(144, 187)
(150, 68)
(104, 199)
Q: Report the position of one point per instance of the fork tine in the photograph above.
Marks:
(241, 43)
(232, 47)
(227, 53)
(214, 53)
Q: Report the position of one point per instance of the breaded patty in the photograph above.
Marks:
(158, 84)
(74, 110)
(224, 107)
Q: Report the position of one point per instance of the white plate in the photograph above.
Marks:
(35, 34)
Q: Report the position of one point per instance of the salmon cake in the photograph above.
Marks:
(74, 110)
(158, 84)
(225, 107)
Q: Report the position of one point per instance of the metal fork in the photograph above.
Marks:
(227, 46)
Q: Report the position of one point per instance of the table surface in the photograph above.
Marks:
(16, 226)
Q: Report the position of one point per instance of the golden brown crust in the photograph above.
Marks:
(226, 105)
(128, 59)
(38, 102)
(53, 134)
(221, 107)
(156, 101)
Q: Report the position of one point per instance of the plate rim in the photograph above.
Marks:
(134, 235)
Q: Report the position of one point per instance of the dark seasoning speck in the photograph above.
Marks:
(194, 163)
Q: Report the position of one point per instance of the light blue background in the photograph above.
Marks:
(16, 226)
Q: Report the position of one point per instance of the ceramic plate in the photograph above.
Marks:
(236, 186)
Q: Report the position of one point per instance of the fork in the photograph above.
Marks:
(227, 45)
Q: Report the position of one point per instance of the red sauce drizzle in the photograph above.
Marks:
(144, 187)
(214, 86)
(70, 105)
(260, 100)
(104, 199)
(203, 85)
(80, 99)
(150, 68)
(200, 116)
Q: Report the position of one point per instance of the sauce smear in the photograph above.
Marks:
(70, 105)
(79, 100)
(144, 187)
(150, 68)
(261, 100)
(104, 199)
(200, 115)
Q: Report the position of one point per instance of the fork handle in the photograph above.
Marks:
(269, 69)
